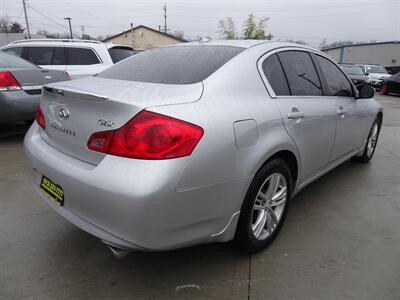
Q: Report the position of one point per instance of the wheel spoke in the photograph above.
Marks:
(271, 213)
(279, 197)
(260, 223)
(273, 185)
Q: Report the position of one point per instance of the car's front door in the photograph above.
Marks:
(309, 118)
(352, 115)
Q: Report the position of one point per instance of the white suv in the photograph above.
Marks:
(80, 58)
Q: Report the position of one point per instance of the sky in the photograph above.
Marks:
(307, 20)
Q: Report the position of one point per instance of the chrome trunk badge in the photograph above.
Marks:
(63, 113)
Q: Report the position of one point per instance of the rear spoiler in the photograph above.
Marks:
(75, 93)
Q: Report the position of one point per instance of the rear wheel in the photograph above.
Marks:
(372, 140)
(384, 89)
(265, 206)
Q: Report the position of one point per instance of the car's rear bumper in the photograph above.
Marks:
(133, 203)
(18, 106)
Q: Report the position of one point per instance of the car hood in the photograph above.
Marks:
(378, 75)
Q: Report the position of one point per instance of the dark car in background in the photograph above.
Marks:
(355, 73)
(21, 87)
(391, 84)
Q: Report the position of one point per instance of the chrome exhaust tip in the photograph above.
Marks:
(118, 252)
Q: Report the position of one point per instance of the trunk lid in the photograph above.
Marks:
(74, 110)
(32, 80)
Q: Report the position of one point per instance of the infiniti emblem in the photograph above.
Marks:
(63, 113)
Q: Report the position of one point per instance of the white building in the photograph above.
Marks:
(386, 54)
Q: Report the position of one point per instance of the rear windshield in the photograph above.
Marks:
(12, 61)
(172, 65)
(119, 53)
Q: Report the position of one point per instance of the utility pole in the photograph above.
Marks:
(70, 28)
(26, 19)
(83, 32)
(165, 18)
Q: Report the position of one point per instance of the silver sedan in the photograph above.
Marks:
(197, 143)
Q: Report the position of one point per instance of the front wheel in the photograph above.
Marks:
(372, 141)
(265, 206)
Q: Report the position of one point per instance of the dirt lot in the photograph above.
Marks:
(341, 241)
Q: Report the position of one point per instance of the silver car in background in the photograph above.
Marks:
(197, 143)
(21, 86)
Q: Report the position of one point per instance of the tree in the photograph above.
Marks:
(4, 24)
(179, 34)
(16, 27)
(227, 29)
(252, 29)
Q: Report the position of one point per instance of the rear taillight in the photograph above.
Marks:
(148, 136)
(68, 76)
(8, 82)
(40, 118)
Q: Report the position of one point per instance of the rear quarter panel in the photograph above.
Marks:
(233, 93)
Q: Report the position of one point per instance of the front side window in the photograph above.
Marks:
(273, 71)
(337, 83)
(301, 73)
(81, 56)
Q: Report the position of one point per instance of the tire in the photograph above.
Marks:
(384, 89)
(248, 236)
(373, 136)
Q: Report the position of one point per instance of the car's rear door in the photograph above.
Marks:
(308, 116)
(352, 115)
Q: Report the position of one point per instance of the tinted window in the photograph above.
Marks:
(272, 69)
(12, 61)
(336, 81)
(40, 55)
(173, 65)
(45, 55)
(17, 51)
(301, 73)
(119, 53)
(81, 56)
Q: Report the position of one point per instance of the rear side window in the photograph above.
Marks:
(119, 53)
(336, 81)
(173, 65)
(17, 51)
(45, 55)
(81, 56)
(301, 73)
(272, 69)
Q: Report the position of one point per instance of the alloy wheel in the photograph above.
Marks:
(269, 206)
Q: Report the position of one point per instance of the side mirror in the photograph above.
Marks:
(366, 92)
(366, 73)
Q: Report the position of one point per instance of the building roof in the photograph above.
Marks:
(6, 38)
(151, 29)
(361, 44)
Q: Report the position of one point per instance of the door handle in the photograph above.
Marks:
(295, 115)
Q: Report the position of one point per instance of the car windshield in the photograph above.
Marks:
(376, 69)
(172, 65)
(11, 61)
(352, 70)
